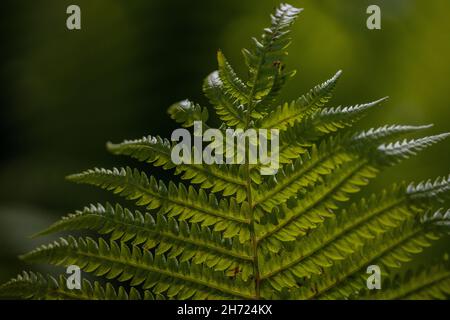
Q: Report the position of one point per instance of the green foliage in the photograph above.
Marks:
(37, 286)
(230, 233)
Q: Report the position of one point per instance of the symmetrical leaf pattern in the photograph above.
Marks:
(227, 232)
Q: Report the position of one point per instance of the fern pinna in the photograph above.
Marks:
(232, 233)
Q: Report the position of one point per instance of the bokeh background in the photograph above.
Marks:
(65, 93)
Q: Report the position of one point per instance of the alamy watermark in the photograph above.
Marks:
(374, 280)
(73, 281)
(228, 146)
(73, 21)
(374, 20)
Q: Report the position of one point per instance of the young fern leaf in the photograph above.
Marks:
(302, 233)
(228, 108)
(232, 85)
(266, 56)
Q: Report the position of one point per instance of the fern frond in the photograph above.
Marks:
(440, 218)
(389, 251)
(310, 208)
(439, 188)
(229, 109)
(267, 54)
(386, 133)
(280, 79)
(175, 279)
(295, 142)
(232, 84)
(331, 154)
(327, 120)
(304, 171)
(157, 151)
(30, 285)
(174, 239)
(237, 233)
(399, 248)
(336, 239)
(173, 201)
(186, 112)
(424, 283)
(341, 236)
(287, 114)
(394, 152)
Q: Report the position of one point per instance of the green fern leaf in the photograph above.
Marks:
(336, 239)
(157, 151)
(30, 285)
(267, 54)
(228, 108)
(186, 113)
(168, 236)
(119, 261)
(302, 233)
(287, 114)
(232, 85)
(424, 283)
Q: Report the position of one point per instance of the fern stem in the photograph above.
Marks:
(256, 272)
(253, 236)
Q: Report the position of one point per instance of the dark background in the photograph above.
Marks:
(65, 93)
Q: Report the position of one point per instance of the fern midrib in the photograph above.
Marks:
(253, 236)
(330, 240)
(251, 105)
(254, 243)
(252, 204)
(385, 251)
(165, 273)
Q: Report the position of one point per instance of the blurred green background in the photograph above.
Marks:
(65, 93)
